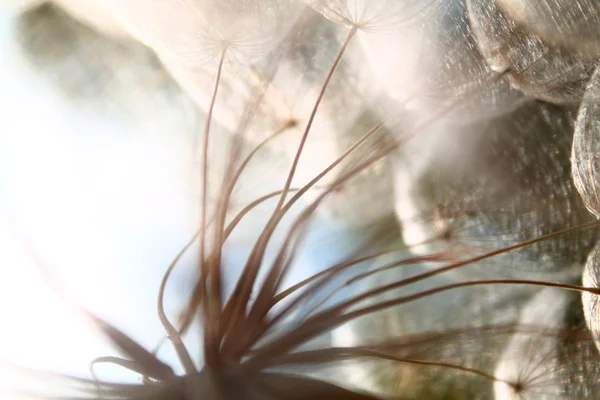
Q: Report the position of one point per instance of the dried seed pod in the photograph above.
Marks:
(571, 25)
(493, 184)
(586, 148)
(533, 66)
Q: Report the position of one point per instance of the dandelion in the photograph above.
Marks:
(486, 220)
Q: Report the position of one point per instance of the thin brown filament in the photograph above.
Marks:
(198, 294)
(264, 299)
(276, 274)
(212, 302)
(242, 167)
(313, 289)
(173, 334)
(333, 317)
(429, 258)
(325, 320)
(277, 298)
(327, 273)
(260, 246)
(220, 235)
(344, 353)
(430, 292)
(361, 167)
(364, 138)
(313, 113)
(274, 221)
(350, 150)
(165, 278)
(415, 340)
(232, 175)
(198, 291)
(167, 325)
(241, 293)
(470, 261)
(152, 366)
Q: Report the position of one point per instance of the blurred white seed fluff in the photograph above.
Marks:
(433, 68)
(195, 32)
(376, 15)
(585, 156)
(591, 305)
(189, 36)
(529, 361)
(539, 70)
(573, 25)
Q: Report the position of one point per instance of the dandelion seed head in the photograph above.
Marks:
(324, 95)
